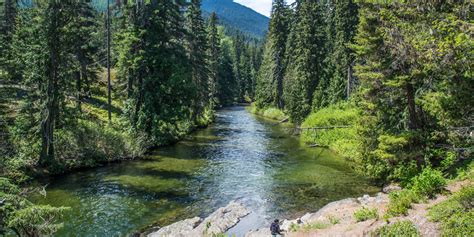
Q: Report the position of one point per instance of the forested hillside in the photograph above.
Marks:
(238, 17)
(387, 85)
(81, 86)
(396, 77)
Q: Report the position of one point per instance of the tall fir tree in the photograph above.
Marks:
(197, 52)
(213, 52)
(346, 20)
(306, 60)
(271, 76)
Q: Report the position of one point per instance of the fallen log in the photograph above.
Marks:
(323, 128)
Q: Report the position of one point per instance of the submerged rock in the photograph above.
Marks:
(218, 222)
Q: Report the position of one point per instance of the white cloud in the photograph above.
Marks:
(262, 6)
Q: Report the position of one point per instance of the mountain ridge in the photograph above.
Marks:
(238, 16)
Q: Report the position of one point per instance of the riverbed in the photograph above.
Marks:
(240, 156)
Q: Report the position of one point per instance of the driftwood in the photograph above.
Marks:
(317, 145)
(282, 121)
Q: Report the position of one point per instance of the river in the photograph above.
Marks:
(240, 156)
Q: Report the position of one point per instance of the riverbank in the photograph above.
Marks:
(239, 156)
(363, 216)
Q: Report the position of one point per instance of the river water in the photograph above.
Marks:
(240, 156)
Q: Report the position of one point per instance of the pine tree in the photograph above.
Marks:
(214, 54)
(270, 80)
(165, 91)
(227, 85)
(81, 29)
(197, 51)
(345, 25)
(306, 60)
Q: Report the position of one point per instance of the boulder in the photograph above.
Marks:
(218, 222)
(391, 188)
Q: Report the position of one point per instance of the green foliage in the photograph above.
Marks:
(23, 217)
(305, 59)
(271, 112)
(455, 214)
(397, 229)
(270, 78)
(309, 227)
(400, 202)
(429, 183)
(404, 115)
(37, 220)
(365, 213)
(341, 140)
(333, 220)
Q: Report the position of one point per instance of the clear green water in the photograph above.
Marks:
(239, 157)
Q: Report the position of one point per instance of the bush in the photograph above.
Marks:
(400, 202)
(26, 219)
(364, 214)
(398, 229)
(429, 183)
(37, 220)
(341, 140)
(270, 112)
(455, 214)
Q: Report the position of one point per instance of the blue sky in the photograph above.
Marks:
(262, 6)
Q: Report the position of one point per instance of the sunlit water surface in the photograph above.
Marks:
(240, 157)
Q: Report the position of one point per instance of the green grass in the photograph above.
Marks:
(456, 214)
(341, 140)
(309, 227)
(365, 213)
(401, 201)
(271, 113)
(398, 229)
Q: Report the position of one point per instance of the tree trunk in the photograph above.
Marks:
(279, 82)
(412, 115)
(349, 81)
(51, 110)
(78, 89)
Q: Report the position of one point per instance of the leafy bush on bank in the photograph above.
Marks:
(270, 112)
(342, 140)
(455, 214)
(398, 229)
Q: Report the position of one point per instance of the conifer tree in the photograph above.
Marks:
(214, 56)
(197, 50)
(346, 19)
(270, 80)
(306, 60)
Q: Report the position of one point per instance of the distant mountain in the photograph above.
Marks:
(237, 16)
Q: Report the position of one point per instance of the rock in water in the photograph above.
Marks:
(218, 222)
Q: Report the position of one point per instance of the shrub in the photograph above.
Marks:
(270, 112)
(341, 140)
(22, 216)
(309, 226)
(37, 220)
(333, 220)
(364, 214)
(455, 214)
(398, 229)
(400, 202)
(428, 183)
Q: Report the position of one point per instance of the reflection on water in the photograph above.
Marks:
(239, 157)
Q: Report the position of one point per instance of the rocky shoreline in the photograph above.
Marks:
(334, 219)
